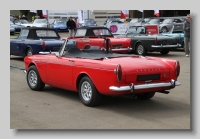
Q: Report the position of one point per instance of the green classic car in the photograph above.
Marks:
(143, 42)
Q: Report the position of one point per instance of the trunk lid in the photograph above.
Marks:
(142, 69)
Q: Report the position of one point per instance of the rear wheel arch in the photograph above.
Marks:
(134, 45)
(80, 76)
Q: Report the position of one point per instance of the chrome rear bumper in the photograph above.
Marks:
(165, 46)
(133, 87)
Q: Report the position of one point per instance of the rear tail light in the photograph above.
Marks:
(156, 40)
(118, 72)
(177, 68)
(43, 45)
(179, 39)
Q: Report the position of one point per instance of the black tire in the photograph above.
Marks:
(140, 49)
(87, 47)
(92, 97)
(164, 52)
(29, 52)
(164, 29)
(145, 96)
(33, 79)
(183, 46)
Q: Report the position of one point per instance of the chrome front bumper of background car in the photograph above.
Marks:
(165, 46)
(133, 87)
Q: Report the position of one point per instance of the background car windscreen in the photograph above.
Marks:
(103, 32)
(136, 30)
(80, 32)
(46, 33)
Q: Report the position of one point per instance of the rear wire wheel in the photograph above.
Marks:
(140, 49)
(29, 52)
(88, 92)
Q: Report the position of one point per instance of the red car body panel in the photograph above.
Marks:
(63, 73)
(83, 42)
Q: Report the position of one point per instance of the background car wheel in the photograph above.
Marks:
(33, 79)
(88, 92)
(164, 52)
(183, 46)
(87, 47)
(140, 49)
(164, 29)
(29, 52)
(145, 96)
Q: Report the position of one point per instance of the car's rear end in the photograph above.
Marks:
(163, 42)
(139, 74)
(52, 45)
(120, 45)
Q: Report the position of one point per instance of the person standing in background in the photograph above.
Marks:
(76, 22)
(11, 18)
(71, 26)
(186, 29)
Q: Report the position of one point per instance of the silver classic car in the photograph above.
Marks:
(167, 25)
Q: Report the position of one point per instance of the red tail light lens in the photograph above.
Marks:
(156, 40)
(119, 72)
(177, 68)
(179, 39)
(43, 45)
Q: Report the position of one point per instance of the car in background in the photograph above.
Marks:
(88, 23)
(17, 27)
(40, 23)
(22, 22)
(115, 22)
(178, 34)
(143, 42)
(134, 20)
(141, 21)
(127, 20)
(169, 23)
(109, 19)
(12, 30)
(94, 36)
(156, 21)
(33, 40)
(59, 25)
(93, 73)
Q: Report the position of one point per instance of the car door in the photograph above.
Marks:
(17, 45)
(59, 71)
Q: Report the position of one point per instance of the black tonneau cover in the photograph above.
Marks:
(92, 54)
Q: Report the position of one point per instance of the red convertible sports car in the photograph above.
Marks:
(94, 36)
(93, 72)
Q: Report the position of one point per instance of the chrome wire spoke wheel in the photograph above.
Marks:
(86, 91)
(29, 53)
(140, 50)
(32, 78)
